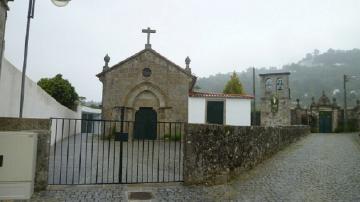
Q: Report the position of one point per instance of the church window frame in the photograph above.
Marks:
(268, 84)
(146, 72)
(279, 84)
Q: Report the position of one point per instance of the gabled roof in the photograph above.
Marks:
(219, 95)
(139, 53)
(275, 73)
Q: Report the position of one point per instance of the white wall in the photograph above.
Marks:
(238, 112)
(196, 107)
(37, 103)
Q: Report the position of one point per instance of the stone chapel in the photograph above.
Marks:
(146, 84)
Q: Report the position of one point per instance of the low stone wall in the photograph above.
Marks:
(215, 153)
(42, 128)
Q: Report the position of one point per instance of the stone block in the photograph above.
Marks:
(215, 153)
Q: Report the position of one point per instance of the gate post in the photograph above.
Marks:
(42, 128)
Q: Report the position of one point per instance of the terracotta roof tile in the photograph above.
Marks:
(219, 95)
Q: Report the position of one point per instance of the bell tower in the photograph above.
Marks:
(275, 99)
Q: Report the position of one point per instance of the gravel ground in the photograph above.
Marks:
(320, 167)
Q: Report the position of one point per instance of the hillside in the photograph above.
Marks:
(309, 76)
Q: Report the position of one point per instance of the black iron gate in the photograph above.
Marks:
(108, 152)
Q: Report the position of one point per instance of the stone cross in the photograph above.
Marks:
(148, 31)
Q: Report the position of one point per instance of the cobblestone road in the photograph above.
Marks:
(320, 167)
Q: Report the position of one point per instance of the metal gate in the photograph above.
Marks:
(325, 122)
(107, 152)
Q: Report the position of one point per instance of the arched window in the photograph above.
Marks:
(279, 84)
(268, 84)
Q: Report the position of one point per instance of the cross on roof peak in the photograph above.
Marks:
(148, 31)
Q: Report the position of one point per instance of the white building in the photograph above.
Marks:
(91, 120)
(219, 108)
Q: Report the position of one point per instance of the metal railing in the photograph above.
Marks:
(107, 152)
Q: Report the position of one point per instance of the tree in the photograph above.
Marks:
(61, 90)
(234, 85)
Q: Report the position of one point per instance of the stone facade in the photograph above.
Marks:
(355, 113)
(215, 153)
(42, 128)
(324, 105)
(146, 79)
(3, 16)
(275, 100)
(312, 115)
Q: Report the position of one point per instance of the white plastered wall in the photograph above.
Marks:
(37, 103)
(238, 112)
(196, 110)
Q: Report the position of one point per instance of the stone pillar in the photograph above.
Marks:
(42, 128)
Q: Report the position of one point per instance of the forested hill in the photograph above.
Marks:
(309, 76)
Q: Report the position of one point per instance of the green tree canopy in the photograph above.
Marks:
(233, 86)
(61, 90)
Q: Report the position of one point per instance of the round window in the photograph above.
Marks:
(146, 72)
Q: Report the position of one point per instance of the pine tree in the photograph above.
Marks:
(234, 85)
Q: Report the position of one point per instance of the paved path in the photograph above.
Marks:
(320, 167)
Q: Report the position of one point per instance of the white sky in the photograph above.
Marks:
(218, 36)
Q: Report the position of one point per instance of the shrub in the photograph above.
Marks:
(61, 90)
(173, 137)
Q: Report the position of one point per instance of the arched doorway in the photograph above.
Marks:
(145, 123)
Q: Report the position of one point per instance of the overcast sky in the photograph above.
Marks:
(218, 36)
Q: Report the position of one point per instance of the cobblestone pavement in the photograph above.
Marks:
(320, 167)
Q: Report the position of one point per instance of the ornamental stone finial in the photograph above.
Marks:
(107, 60)
(187, 62)
(334, 102)
(298, 103)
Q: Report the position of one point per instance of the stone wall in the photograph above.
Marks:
(42, 128)
(215, 153)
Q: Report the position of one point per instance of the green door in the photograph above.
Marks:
(145, 124)
(325, 122)
(215, 112)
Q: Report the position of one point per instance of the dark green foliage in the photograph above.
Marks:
(233, 86)
(61, 90)
(309, 77)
